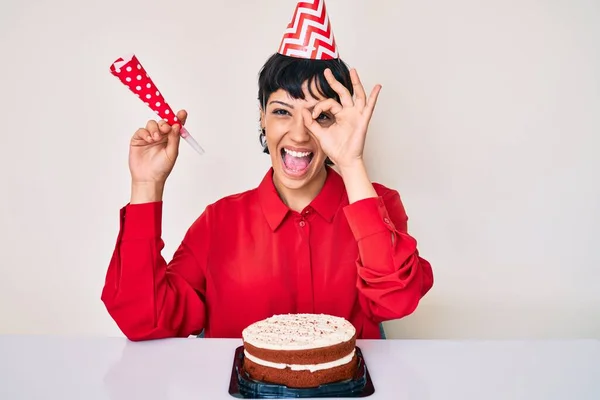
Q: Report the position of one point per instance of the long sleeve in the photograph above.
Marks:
(145, 296)
(392, 277)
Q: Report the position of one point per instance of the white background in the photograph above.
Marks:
(488, 124)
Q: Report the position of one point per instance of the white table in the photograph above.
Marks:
(70, 368)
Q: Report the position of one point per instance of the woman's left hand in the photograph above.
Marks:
(343, 141)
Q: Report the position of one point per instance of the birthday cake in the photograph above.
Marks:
(300, 350)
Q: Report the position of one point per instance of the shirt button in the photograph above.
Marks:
(386, 220)
(302, 223)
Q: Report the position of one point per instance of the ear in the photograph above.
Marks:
(262, 116)
(263, 120)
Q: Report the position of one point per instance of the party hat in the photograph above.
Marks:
(309, 35)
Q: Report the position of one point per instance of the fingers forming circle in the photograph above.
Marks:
(359, 90)
(341, 90)
(329, 105)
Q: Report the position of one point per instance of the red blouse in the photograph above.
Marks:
(248, 257)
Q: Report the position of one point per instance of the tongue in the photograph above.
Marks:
(296, 163)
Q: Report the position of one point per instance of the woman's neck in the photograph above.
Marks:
(298, 199)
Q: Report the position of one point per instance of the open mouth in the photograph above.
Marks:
(296, 162)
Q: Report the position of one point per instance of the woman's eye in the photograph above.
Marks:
(280, 112)
(325, 120)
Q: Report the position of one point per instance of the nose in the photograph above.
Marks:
(298, 132)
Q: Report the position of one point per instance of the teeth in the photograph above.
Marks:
(298, 154)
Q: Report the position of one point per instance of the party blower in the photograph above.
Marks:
(130, 71)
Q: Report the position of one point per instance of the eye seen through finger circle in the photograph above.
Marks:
(325, 119)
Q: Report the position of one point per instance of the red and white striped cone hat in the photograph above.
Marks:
(309, 34)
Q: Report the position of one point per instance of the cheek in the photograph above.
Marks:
(273, 135)
(272, 143)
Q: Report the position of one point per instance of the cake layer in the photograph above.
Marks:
(310, 356)
(300, 379)
(302, 367)
(298, 332)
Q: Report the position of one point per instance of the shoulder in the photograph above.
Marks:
(233, 205)
(235, 199)
(221, 216)
(228, 211)
(232, 209)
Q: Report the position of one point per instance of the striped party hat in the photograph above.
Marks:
(309, 35)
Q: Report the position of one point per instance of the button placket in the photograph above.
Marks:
(304, 217)
(305, 286)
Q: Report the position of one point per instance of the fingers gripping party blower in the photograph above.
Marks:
(132, 74)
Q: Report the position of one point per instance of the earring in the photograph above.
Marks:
(263, 137)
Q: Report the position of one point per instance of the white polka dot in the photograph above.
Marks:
(157, 93)
(128, 79)
(138, 87)
(158, 104)
(128, 69)
(148, 86)
(146, 103)
(139, 77)
(167, 111)
(174, 118)
(139, 66)
(148, 96)
(156, 112)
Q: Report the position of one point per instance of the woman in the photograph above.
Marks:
(307, 239)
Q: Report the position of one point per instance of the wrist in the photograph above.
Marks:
(354, 168)
(146, 192)
(357, 182)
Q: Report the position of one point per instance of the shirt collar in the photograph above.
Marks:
(325, 204)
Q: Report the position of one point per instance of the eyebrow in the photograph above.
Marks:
(282, 103)
(288, 105)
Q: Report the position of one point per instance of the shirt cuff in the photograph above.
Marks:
(367, 217)
(141, 221)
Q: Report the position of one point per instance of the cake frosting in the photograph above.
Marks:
(298, 332)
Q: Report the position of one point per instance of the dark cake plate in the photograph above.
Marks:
(243, 387)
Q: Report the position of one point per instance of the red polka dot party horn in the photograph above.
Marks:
(132, 74)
